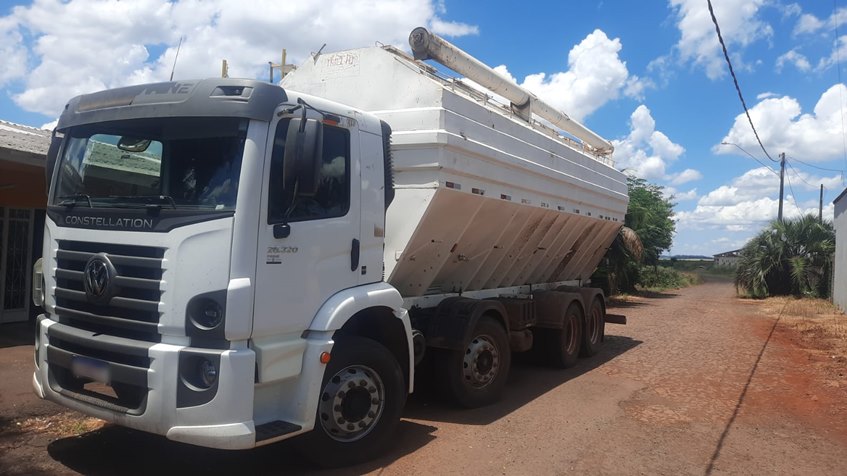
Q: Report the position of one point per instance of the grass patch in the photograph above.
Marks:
(821, 326)
(62, 424)
(662, 278)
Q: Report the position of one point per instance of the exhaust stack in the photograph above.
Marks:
(426, 45)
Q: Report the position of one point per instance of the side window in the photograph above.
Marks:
(333, 196)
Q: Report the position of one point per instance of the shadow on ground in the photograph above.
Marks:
(19, 333)
(527, 382)
(117, 450)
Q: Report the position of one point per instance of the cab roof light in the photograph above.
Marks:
(241, 92)
(331, 120)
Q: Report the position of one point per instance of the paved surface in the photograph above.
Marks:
(698, 382)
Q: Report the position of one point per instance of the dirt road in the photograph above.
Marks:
(698, 382)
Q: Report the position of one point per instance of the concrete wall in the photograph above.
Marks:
(727, 261)
(839, 287)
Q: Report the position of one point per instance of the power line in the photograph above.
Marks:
(735, 80)
(752, 157)
(798, 174)
(793, 195)
(816, 167)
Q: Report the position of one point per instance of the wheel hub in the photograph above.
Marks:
(351, 403)
(481, 361)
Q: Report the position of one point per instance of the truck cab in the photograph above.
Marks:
(199, 241)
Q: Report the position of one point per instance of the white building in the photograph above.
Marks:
(839, 285)
(23, 199)
(728, 259)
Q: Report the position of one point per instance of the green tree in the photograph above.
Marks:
(649, 215)
(790, 257)
(648, 231)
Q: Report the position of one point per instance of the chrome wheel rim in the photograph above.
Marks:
(481, 361)
(351, 403)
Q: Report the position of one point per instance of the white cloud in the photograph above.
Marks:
(793, 57)
(677, 196)
(12, 51)
(816, 136)
(810, 24)
(646, 152)
(765, 95)
(80, 46)
(595, 76)
(449, 28)
(790, 10)
(751, 200)
(687, 175)
(698, 42)
(807, 23)
(838, 54)
(663, 147)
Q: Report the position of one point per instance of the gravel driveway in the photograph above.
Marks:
(697, 382)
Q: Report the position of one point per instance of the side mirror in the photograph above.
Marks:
(52, 155)
(302, 160)
(132, 144)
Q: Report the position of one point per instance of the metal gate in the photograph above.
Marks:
(15, 258)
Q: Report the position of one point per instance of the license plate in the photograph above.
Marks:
(94, 369)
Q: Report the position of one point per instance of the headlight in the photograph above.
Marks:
(201, 373)
(208, 373)
(205, 313)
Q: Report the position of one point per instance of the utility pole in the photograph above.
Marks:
(781, 181)
(820, 207)
(282, 67)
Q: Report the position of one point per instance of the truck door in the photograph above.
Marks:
(297, 273)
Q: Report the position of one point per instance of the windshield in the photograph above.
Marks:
(166, 163)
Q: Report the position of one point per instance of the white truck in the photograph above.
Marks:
(231, 263)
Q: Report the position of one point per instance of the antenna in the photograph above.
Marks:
(176, 56)
(315, 56)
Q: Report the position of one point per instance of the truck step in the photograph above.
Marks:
(273, 429)
(615, 319)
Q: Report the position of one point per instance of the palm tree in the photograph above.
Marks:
(621, 268)
(790, 257)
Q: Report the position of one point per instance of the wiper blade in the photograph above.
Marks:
(168, 199)
(161, 199)
(71, 200)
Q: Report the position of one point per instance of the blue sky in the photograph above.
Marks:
(648, 75)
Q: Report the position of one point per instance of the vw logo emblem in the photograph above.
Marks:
(97, 277)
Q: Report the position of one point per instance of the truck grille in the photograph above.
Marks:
(123, 363)
(133, 311)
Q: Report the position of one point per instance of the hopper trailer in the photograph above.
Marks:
(231, 263)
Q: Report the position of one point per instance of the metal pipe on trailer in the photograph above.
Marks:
(426, 45)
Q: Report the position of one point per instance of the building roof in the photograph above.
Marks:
(840, 196)
(24, 138)
(729, 254)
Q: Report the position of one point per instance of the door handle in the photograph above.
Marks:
(354, 255)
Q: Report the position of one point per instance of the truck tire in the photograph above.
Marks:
(362, 396)
(560, 347)
(595, 328)
(477, 374)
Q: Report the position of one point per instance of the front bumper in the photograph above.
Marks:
(224, 421)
